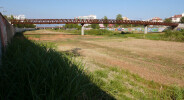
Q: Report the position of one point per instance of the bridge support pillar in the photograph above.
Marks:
(82, 29)
(145, 29)
(173, 27)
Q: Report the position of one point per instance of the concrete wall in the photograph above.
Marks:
(23, 29)
(180, 26)
(138, 29)
(6, 33)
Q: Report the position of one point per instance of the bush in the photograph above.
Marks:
(173, 35)
(125, 32)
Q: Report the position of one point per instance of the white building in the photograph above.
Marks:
(20, 17)
(176, 18)
(125, 18)
(156, 19)
(87, 17)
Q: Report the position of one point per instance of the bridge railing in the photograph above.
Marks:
(89, 21)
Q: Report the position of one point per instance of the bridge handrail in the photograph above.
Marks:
(89, 21)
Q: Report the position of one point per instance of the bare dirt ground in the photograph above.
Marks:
(160, 61)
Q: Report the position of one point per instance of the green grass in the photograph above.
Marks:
(124, 85)
(67, 31)
(31, 71)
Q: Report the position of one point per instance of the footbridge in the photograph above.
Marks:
(92, 21)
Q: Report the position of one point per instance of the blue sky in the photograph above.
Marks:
(134, 9)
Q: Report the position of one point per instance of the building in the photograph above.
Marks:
(19, 17)
(86, 17)
(101, 26)
(176, 18)
(125, 18)
(156, 19)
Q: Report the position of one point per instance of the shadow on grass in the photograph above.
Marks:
(31, 71)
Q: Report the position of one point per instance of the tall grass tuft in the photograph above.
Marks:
(31, 71)
(173, 35)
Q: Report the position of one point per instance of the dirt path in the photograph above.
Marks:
(160, 61)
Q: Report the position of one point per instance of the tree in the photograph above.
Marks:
(71, 26)
(182, 20)
(167, 20)
(5, 16)
(95, 26)
(12, 17)
(105, 18)
(119, 17)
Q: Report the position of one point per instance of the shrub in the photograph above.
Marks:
(173, 35)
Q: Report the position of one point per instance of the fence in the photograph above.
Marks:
(6, 33)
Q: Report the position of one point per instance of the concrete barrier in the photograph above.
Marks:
(6, 33)
(23, 29)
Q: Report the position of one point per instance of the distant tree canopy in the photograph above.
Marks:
(167, 20)
(5, 16)
(182, 20)
(118, 17)
(72, 26)
(95, 26)
(105, 17)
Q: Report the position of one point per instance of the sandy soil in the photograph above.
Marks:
(160, 61)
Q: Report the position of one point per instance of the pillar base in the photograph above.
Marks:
(82, 29)
(145, 29)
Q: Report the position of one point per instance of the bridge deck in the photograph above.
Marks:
(89, 21)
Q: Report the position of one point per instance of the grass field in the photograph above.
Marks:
(122, 68)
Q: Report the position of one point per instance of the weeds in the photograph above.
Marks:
(173, 35)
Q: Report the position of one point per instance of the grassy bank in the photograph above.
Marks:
(32, 71)
(167, 36)
(123, 84)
